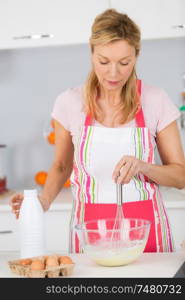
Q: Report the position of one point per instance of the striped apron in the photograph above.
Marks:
(97, 150)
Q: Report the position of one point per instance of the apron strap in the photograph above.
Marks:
(139, 118)
(88, 120)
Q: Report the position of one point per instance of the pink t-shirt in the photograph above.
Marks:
(159, 111)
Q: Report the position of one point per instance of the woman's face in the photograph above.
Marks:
(113, 64)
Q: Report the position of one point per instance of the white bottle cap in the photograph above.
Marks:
(30, 193)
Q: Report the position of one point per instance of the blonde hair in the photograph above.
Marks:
(108, 27)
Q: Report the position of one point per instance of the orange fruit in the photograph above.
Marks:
(40, 177)
(67, 183)
(51, 138)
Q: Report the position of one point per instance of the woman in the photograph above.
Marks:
(106, 133)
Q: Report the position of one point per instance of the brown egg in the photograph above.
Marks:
(52, 261)
(65, 260)
(26, 261)
(45, 257)
(37, 264)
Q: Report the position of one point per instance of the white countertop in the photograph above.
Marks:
(62, 202)
(149, 265)
(173, 198)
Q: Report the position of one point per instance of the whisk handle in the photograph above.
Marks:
(119, 193)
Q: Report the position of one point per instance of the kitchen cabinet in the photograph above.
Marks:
(57, 231)
(58, 22)
(8, 223)
(156, 18)
(57, 221)
(36, 23)
(176, 217)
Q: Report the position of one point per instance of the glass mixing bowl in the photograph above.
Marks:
(109, 247)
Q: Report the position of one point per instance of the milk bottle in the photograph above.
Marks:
(32, 226)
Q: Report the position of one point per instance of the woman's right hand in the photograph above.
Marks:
(15, 203)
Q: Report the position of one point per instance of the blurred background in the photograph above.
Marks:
(34, 71)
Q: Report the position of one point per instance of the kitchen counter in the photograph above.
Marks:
(173, 198)
(149, 265)
(62, 202)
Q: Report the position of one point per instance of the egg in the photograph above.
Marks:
(26, 261)
(37, 264)
(65, 260)
(52, 261)
(45, 257)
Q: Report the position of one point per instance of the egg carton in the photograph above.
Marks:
(49, 272)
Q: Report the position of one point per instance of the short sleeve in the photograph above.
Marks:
(167, 111)
(60, 109)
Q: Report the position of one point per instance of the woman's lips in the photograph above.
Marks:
(112, 82)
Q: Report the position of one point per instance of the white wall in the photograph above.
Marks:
(31, 79)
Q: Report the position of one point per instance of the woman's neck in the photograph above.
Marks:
(112, 98)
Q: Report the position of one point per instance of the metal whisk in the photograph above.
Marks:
(116, 231)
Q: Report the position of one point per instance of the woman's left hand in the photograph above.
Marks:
(126, 168)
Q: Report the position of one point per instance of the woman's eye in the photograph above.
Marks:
(103, 63)
(124, 64)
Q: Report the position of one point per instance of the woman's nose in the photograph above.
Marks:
(113, 71)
